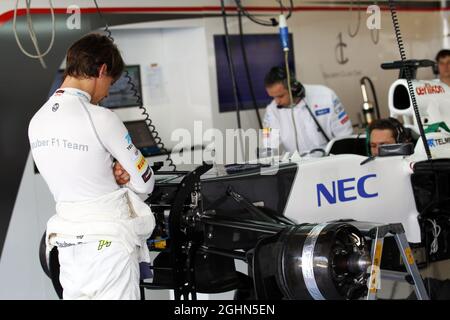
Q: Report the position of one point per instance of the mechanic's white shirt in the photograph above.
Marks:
(73, 143)
(326, 107)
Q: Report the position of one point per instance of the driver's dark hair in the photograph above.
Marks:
(442, 54)
(88, 54)
(396, 127)
(277, 75)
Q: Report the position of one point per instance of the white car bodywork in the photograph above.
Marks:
(339, 187)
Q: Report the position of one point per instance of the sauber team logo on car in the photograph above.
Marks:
(430, 89)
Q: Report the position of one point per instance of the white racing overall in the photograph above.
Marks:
(326, 108)
(100, 228)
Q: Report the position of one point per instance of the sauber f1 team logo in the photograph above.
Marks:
(430, 89)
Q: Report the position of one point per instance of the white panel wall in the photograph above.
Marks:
(180, 93)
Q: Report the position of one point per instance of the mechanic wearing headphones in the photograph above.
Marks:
(386, 131)
(101, 225)
(316, 117)
(443, 66)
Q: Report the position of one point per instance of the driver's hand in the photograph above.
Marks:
(120, 174)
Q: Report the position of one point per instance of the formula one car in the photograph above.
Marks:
(307, 228)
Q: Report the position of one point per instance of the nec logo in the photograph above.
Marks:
(344, 190)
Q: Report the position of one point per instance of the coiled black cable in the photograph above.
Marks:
(138, 97)
(106, 29)
(401, 48)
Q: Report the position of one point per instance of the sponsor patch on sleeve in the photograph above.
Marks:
(136, 154)
(344, 119)
(338, 107)
(321, 112)
(147, 174)
(141, 163)
(128, 139)
(342, 115)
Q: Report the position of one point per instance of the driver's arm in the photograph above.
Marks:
(116, 139)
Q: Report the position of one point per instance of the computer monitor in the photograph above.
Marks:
(263, 52)
(120, 94)
(142, 137)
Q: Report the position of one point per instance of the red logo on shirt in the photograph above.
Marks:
(344, 119)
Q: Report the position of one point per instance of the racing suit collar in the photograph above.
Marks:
(76, 92)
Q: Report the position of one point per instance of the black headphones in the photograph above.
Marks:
(436, 69)
(402, 136)
(297, 89)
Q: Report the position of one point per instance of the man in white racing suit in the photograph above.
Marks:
(317, 112)
(86, 156)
